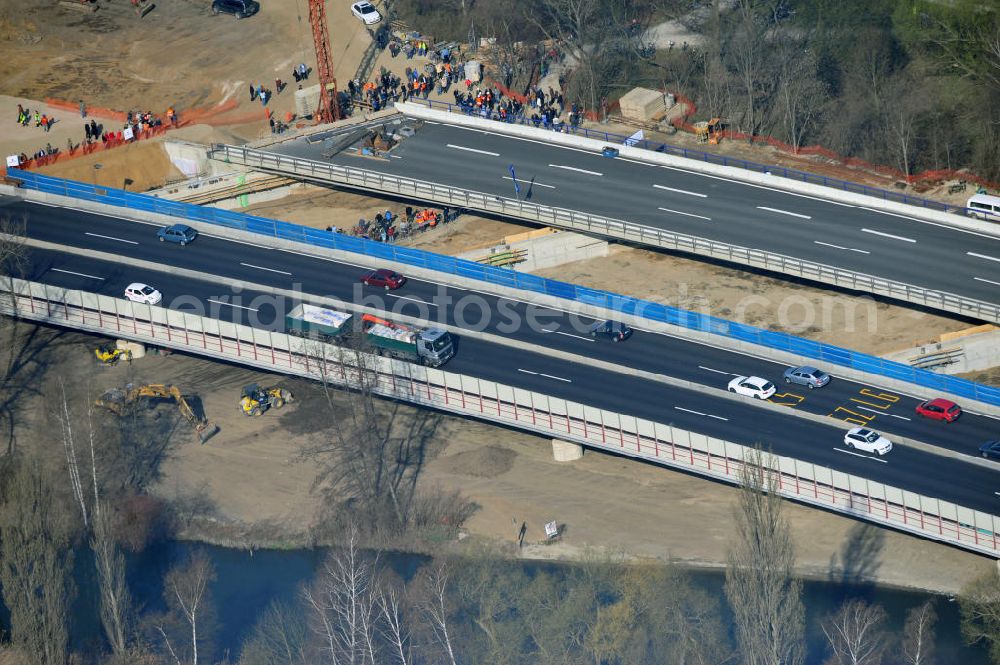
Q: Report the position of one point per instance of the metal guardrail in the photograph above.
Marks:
(711, 158)
(595, 224)
(520, 280)
(535, 412)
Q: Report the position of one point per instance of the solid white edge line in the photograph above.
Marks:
(573, 168)
(229, 304)
(888, 235)
(784, 212)
(250, 265)
(681, 191)
(686, 214)
(983, 256)
(528, 182)
(78, 274)
(476, 150)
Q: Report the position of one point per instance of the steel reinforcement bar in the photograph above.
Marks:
(613, 228)
(535, 412)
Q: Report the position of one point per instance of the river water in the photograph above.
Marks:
(245, 584)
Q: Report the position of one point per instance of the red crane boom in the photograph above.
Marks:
(329, 108)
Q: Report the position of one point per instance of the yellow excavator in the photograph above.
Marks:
(109, 354)
(254, 400)
(117, 400)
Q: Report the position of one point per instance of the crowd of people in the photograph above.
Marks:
(41, 119)
(389, 227)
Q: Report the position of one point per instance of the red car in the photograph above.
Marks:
(939, 409)
(387, 279)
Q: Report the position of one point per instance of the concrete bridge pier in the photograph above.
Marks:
(564, 451)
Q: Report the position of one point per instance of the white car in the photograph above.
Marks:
(867, 440)
(139, 292)
(366, 12)
(752, 386)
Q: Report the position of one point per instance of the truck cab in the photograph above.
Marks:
(435, 346)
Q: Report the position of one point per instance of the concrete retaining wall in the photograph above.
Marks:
(546, 251)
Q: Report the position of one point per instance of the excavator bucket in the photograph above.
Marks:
(206, 431)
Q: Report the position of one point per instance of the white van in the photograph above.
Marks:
(985, 207)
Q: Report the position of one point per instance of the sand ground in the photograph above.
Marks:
(180, 55)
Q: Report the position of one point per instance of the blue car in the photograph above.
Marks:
(179, 233)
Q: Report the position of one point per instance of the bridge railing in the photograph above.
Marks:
(524, 409)
(819, 351)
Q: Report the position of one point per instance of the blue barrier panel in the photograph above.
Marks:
(450, 265)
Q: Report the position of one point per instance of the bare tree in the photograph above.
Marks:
(765, 598)
(278, 638)
(394, 629)
(185, 590)
(341, 605)
(36, 564)
(800, 94)
(918, 635)
(980, 605)
(436, 610)
(900, 118)
(115, 601)
(67, 421)
(855, 633)
(748, 53)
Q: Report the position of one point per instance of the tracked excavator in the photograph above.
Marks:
(117, 400)
(254, 400)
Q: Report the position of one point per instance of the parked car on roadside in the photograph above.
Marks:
(181, 234)
(867, 440)
(366, 13)
(939, 409)
(807, 376)
(238, 8)
(752, 386)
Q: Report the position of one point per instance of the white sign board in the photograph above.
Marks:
(13, 160)
(127, 134)
(551, 529)
(635, 138)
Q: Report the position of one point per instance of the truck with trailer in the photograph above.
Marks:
(320, 323)
(428, 346)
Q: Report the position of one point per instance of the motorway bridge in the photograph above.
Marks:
(904, 249)
(101, 253)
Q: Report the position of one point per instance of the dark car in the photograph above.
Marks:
(939, 409)
(990, 449)
(238, 8)
(179, 233)
(387, 279)
(612, 330)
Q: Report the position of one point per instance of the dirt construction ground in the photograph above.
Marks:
(183, 56)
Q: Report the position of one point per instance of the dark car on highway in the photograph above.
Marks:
(990, 450)
(238, 8)
(612, 330)
(182, 234)
(387, 279)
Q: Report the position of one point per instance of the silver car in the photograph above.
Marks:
(807, 376)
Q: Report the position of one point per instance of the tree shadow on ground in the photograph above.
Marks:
(855, 566)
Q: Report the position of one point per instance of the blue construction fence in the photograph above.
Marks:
(711, 158)
(651, 311)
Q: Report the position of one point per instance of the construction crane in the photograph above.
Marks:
(117, 401)
(329, 105)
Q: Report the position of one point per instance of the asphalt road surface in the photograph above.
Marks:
(738, 421)
(893, 246)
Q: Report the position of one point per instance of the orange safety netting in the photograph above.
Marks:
(96, 111)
